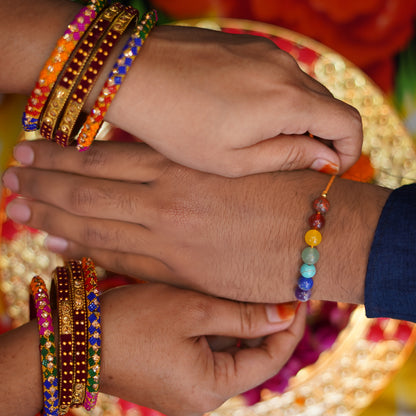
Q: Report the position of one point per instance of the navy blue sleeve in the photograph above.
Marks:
(390, 286)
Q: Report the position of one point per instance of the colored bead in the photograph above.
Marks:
(310, 255)
(305, 283)
(317, 221)
(313, 238)
(321, 205)
(302, 295)
(308, 270)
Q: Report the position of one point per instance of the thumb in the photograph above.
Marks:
(284, 153)
(246, 320)
(248, 367)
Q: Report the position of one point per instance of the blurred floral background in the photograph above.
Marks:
(378, 36)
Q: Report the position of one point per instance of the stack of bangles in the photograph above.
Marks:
(55, 107)
(71, 356)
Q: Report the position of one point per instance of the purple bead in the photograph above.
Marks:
(305, 283)
(302, 295)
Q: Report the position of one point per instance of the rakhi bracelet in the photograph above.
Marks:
(79, 334)
(123, 64)
(82, 89)
(61, 299)
(76, 63)
(47, 346)
(94, 333)
(55, 63)
(313, 237)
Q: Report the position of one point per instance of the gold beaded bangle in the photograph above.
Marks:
(123, 64)
(86, 80)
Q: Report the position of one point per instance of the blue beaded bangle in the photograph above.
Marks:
(313, 237)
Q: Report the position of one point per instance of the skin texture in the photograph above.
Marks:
(155, 336)
(136, 213)
(229, 104)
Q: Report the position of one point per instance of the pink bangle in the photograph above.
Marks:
(54, 66)
(47, 346)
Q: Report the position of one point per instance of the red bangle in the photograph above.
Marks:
(79, 334)
(61, 299)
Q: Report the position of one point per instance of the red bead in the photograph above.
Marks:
(317, 221)
(321, 205)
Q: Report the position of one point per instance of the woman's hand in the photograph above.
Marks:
(218, 102)
(233, 105)
(136, 213)
(156, 352)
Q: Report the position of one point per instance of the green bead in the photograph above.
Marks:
(310, 255)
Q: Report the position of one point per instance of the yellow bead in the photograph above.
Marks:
(313, 238)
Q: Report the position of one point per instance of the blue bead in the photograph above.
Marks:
(118, 80)
(122, 70)
(310, 255)
(138, 42)
(308, 270)
(305, 283)
(128, 61)
(302, 295)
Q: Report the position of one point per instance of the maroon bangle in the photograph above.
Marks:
(61, 299)
(62, 89)
(80, 90)
(79, 316)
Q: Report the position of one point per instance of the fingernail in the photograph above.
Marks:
(281, 311)
(56, 244)
(324, 166)
(24, 154)
(11, 181)
(18, 211)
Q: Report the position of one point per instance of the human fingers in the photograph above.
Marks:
(288, 152)
(315, 113)
(243, 320)
(84, 196)
(246, 368)
(114, 160)
(111, 235)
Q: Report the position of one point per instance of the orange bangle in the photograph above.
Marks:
(54, 65)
